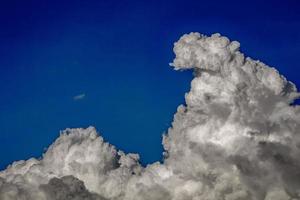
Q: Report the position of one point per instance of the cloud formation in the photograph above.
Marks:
(237, 138)
(79, 97)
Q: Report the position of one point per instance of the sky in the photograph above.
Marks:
(106, 64)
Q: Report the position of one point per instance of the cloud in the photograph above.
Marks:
(79, 97)
(237, 138)
(67, 188)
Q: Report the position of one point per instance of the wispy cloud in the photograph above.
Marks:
(79, 97)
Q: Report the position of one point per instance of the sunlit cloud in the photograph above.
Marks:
(236, 138)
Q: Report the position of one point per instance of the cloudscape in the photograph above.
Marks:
(235, 138)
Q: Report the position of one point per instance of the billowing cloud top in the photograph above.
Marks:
(237, 138)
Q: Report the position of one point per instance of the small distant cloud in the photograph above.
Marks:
(79, 97)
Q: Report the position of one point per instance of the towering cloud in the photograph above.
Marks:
(237, 138)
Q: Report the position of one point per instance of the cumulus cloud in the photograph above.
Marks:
(236, 138)
(79, 97)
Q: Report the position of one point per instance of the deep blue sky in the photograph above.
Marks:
(117, 54)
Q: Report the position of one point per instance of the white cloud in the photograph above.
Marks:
(237, 138)
(79, 97)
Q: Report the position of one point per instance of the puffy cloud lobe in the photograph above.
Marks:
(238, 125)
(67, 188)
(237, 138)
(80, 153)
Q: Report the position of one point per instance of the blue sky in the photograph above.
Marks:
(115, 54)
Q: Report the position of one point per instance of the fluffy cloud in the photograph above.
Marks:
(237, 138)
